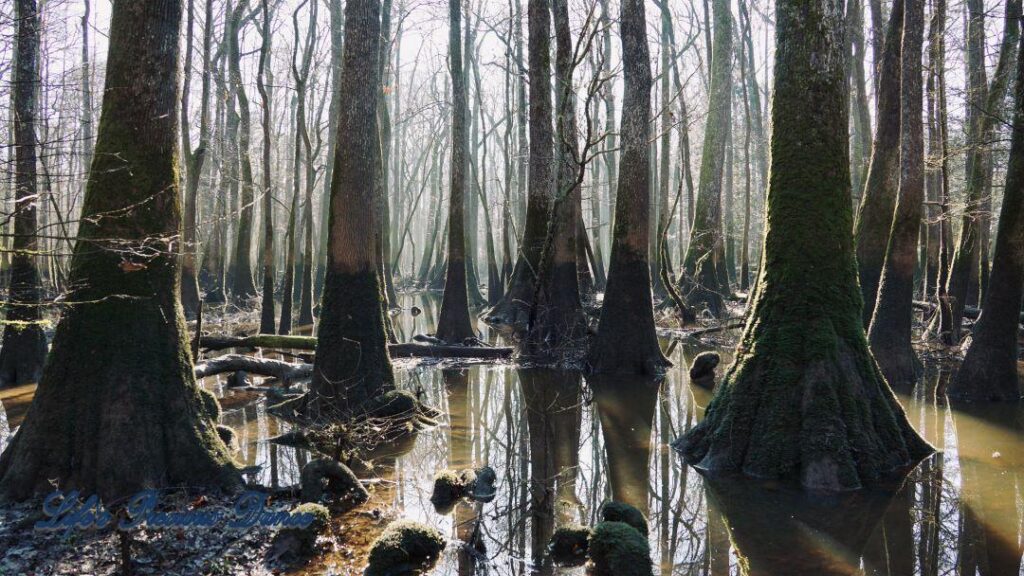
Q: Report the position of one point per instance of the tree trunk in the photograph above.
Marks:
(453, 323)
(24, 344)
(557, 324)
(513, 312)
(804, 400)
(701, 279)
(890, 333)
(626, 340)
(300, 74)
(190, 299)
(878, 204)
(118, 409)
(337, 55)
(352, 362)
(982, 126)
(267, 303)
(242, 286)
(989, 371)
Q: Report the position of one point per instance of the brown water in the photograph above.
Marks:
(562, 445)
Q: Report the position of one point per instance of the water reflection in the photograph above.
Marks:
(562, 444)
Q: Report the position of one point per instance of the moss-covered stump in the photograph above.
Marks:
(805, 399)
(702, 369)
(294, 544)
(613, 511)
(569, 545)
(617, 549)
(450, 487)
(405, 548)
(327, 481)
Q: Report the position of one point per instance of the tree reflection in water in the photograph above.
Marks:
(563, 444)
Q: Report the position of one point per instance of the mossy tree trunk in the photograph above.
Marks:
(626, 340)
(878, 203)
(118, 409)
(965, 257)
(701, 283)
(453, 323)
(989, 371)
(23, 350)
(890, 333)
(352, 363)
(805, 399)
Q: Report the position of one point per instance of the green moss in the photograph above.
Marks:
(449, 487)
(405, 547)
(291, 544)
(569, 545)
(613, 511)
(617, 549)
(210, 404)
(227, 435)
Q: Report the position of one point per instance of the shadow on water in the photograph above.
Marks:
(563, 444)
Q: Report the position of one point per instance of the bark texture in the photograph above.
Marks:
(989, 370)
(890, 333)
(626, 340)
(24, 345)
(702, 280)
(453, 323)
(804, 399)
(874, 217)
(352, 362)
(513, 312)
(118, 409)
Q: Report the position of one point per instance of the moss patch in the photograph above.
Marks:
(405, 547)
(621, 512)
(617, 549)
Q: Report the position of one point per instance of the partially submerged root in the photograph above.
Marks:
(331, 482)
(405, 547)
(831, 422)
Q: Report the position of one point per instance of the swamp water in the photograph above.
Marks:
(562, 444)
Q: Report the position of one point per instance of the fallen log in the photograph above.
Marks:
(404, 350)
(286, 372)
(969, 311)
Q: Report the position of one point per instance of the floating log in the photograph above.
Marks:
(404, 350)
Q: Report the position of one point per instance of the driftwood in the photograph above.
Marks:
(405, 350)
(283, 371)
